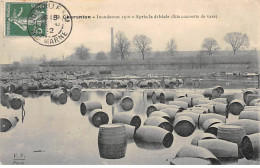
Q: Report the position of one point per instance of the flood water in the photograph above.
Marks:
(59, 134)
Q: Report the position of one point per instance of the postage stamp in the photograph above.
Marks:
(16, 14)
(48, 23)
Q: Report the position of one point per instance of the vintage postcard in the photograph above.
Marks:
(109, 82)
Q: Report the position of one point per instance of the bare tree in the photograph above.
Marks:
(211, 45)
(122, 44)
(236, 40)
(171, 47)
(142, 44)
(101, 56)
(82, 53)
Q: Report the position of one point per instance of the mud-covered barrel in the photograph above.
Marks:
(251, 146)
(236, 106)
(113, 97)
(231, 133)
(127, 118)
(184, 126)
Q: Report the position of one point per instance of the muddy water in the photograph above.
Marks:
(59, 134)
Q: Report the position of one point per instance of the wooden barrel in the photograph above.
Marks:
(229, 97)
(204, 117)
(190, 161)
(188, 100)
(100, 84)
(24, 85)
(15, 101)
(220, 148)
(211, 93)
(221, 109)
(161, 114)
(159, 122)
(208, 123)
(251, 146)
(251, 97)
(112, 141)
(194, 116)
(195, 96)
(113, 97)
(253, 102)
(231, 133)
(199, 101)
(201, 137)
(181, 104)
(213, 129)
(236, 106)
(75, 92)
(171, 112)
(155, 96)
(88, 106)
(210, 107)
(220, 89)
(127, 118)
(7, 123)
(130, 132)
(60, 96)
(251, 126)
(98, 117)
(127, 103)
(250, 108)
(193, 151)
(154, 134)
(167, 96)
(220, 100)
(184, 126)
(159, 106)
(199, 110)
(251, 115)
(248, 92)
(149, 93)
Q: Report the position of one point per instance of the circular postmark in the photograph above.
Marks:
(49, 23)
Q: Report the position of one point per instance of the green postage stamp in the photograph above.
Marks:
(17, 22)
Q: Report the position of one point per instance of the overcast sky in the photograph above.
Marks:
(233, 15)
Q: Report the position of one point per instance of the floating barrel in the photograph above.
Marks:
(167, 96)
(8, 123)
(236, 106)
(211, 93)
(200, 110)
(159, 122)
(248, 92)
(194, 116)
(229, 97)
(15, 101)
(149, 93)
(253, 102)
(231, 133)
(193, 151)
(251, 126)
(220, 89)
(100, 84)
(155, 96)
(113, 97)
(159, 106)
(251, 97)
(190, 161)
(210, 107)
(208, 123)
(221, 109)
(75, 92)
(161, 114)
(201, 137)
(188, 100)
(127, 103)
(204, 117)
(220, 100)
(171, 112)
(24, 85)
(250, 108)
(181, 104)
(199, 101)
(127, 118)
(213, 129)
(88, 106)
(251, 146)
(220, 148)
(154, 134)
(195, 96)
(98, 117)
(60, 96)
(130, 131)
(184, 126)
(112, 141)
(251, 115)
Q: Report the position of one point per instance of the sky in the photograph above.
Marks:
(232, 16)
